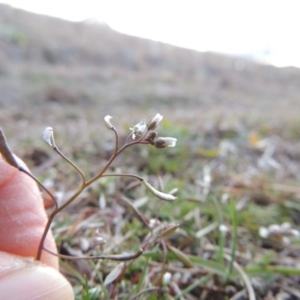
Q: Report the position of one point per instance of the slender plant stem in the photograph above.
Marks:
(234, 241)
(221, 234)
(116, 257)
(122, 175)
(138, 214)
(84, 183)
(101, 173)
(244, 276)
(116, 138)
(51, 217)
(40, 184)
(70, 162)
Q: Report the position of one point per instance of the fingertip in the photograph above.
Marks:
(22, 216)
(35, 282)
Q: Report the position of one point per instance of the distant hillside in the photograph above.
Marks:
(46, 61)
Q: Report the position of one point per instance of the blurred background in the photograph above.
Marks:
(222, 68)
(261, 30)
(217, 59)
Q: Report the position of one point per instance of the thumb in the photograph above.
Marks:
(22, 216)
(24, 278)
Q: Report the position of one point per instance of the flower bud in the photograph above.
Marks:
(167, 278)
(151, 137)
(153, 123)
(138, 129)
(48, 136)
(171, 228)
(163, 142)
(107, 122)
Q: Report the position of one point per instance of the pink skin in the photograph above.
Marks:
(22, 221)
(22, 216)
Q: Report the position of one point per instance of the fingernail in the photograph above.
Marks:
(36, 282)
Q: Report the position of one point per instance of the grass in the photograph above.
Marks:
(215, 188)
(201, 259)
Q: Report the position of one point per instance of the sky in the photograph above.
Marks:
(265, 30)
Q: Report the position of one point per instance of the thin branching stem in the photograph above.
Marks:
(116, 138)
(58, 209)
(40, 184)
(83, 185)
(128, 137)
(112, 158)
(136, 211)
(123, 175)
(70, 162)
(116, 257)
(51, 217)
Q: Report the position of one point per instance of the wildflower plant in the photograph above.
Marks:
(142, 133)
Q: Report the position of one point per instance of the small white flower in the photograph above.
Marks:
(153, 123)
(223, 228)
(295, 232)
(286, 225)
(138, 129)
(163, 142)
(153, 223)
(264, 232)
(98, 240)
(107, 122)
(274, 228)
(167, 278)
(48, 136)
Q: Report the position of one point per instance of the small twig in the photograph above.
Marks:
(51, 217)
(70, 162)
(116, 257)
(136, 211)
(40, 184)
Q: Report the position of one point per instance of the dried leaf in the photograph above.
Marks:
(6, 152)
(170, 230)
(114, 274)
(181, 257)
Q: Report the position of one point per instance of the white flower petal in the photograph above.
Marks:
(48, 136)
(263, 232)
(163, 142)
(157, 118)
(107, 122)
(138, 129)
(153, 123)
(167, 278)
